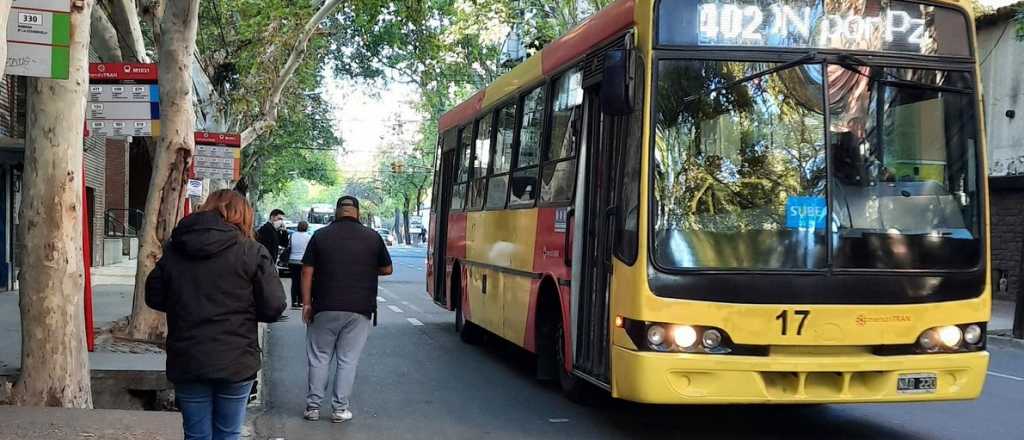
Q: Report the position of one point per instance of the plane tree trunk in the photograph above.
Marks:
(5, 11)
(166, 198)
(54, 361)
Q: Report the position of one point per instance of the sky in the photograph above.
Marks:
(370, 118)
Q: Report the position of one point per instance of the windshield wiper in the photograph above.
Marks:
(806, 59)
(852, 62)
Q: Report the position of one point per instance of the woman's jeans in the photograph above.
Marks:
(295, 270)
(212, 410)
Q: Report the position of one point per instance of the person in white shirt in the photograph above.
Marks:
(297, 249)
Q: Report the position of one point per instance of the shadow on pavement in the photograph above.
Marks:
(630, 419)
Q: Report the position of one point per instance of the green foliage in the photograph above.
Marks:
(297, 196)
(546, 20)
(302, 146)
(979, 9)
(447, 48)
(1019, 19)
(242, 46)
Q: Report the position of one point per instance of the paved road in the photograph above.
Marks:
(418, 381)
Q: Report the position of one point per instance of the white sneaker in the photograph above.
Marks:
(311, 414)
(341, 416)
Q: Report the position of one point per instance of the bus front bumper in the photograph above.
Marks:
(669, 378)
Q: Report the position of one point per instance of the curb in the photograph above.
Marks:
(1004, 339)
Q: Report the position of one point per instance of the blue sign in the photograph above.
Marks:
(806, 213)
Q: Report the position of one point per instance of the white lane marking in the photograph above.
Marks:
(395, 309)
(412, 306)
(387, 293)
(414, 322)
(1006, 376)
(382, 300)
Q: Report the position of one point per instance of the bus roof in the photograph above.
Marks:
(600, 27)
(603, 25)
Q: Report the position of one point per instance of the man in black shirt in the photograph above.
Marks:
(269, 235)
(339, 295)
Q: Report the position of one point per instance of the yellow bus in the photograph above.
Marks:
(728, 201)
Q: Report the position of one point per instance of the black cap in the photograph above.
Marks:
(348, 201)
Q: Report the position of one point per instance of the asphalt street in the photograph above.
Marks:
(417, 380)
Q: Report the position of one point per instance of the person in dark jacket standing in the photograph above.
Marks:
(339, 296)
(216, 285)
(272, 234)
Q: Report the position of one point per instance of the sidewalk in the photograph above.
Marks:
(1002, 316)
(59, 424)
(112, 300)
(117, 366)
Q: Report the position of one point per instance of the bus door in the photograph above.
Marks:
(593, 238)
(446, 174)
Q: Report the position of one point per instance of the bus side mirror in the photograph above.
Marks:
(617, 83)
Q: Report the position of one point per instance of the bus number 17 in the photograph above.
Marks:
(783, 318)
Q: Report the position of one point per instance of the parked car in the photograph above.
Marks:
(386, 235)
(282, 258)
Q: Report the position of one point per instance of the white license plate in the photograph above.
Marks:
(919, 383)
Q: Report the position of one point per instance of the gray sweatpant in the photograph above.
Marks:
(338, 334)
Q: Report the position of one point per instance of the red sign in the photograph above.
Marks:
(123, 72)
(228, 139)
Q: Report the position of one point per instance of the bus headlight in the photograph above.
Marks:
(656, 335)
(929, 340)
(681, 338)
(711, 339)
(947, 339)
(951, 336)
(684, 336)
(973, 334)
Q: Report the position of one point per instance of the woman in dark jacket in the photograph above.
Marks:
(216, 284)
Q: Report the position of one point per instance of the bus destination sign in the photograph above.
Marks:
(865, 25)
(739, 25)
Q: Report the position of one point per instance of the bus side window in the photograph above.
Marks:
(531, 123)
(481, 163)
(462, 173)
(497, 188)
(559, 175)
(442, 181)
(627, 239)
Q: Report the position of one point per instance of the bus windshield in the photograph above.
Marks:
(764, 174)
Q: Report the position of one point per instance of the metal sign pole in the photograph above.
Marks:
(90, 332)
(1018, 315)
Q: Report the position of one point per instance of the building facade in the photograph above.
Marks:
(1001, 56)
(106, 166)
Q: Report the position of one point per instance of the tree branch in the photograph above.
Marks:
(270, 108)
(104, 37)
(124, 17)
(153, 12)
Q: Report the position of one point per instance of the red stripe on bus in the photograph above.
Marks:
(462, 113)
(610, 21)
(456, 245)
(549, 248)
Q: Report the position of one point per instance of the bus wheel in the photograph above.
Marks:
(551, 362)
(469, 333)
(575, 389)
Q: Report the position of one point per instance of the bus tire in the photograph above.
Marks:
(574, 388)
(551, 355)
(468, 332)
